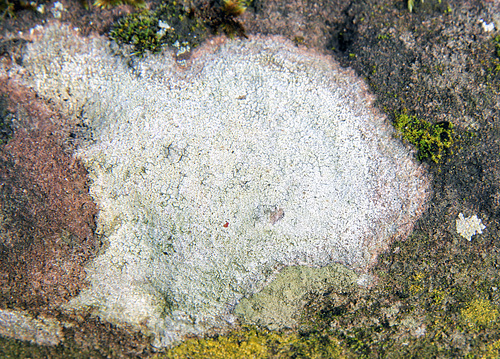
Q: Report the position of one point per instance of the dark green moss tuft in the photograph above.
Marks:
(182, 26)
(431, 140)
(140, 30)
(169, 25)
(9, 8)
(176, 25)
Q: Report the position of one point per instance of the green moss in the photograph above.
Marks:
(6, 9)
(431, 140)
(170, 24)
(9, 8)
(139, 30)
(185, 27)
(252, 343)
(176, 25)
(234, 8)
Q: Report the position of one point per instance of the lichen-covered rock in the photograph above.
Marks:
(212, 177)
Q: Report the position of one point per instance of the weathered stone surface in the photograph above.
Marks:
(211, 177)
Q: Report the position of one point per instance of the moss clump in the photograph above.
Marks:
(251, 343)
(431, 140)
(176, 25)
(234, 8)
(479, 312)
(170, 24)
(180, 25)
(140, 30)
(224, 17)
(9, 8)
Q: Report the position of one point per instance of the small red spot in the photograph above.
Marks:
(225, 225)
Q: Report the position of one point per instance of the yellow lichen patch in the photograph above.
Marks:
(417, 285)
(250, 343)
(479, 312)
(438, 296)
(493, 351)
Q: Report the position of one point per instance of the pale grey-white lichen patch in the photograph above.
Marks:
(211, 178)
(22, 326)
(469, 226)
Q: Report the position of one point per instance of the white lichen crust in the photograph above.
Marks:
(212, 177)
(22, 326)
(470, 226)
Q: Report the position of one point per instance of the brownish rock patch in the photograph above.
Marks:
(47, 215)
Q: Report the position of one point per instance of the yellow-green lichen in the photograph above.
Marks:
(431, 140)
(492, 351)
(479, 312)
(251, 343)
(417, 286)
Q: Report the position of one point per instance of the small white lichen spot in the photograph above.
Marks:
(57, 10)
(487, 27)
(255, 156)
(467, 227)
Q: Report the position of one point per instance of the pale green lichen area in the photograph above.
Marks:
(279, 305)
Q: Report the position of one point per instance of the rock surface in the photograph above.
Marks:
(212, 177)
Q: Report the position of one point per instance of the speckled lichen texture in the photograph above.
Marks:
(213, 176)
